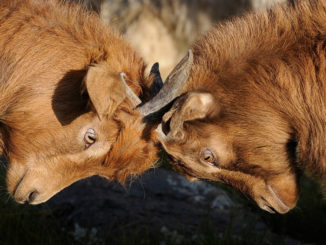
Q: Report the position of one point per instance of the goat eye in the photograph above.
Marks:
(89, 137)
(207, 156)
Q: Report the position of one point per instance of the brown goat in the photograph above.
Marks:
(253, 113)
(65, 113)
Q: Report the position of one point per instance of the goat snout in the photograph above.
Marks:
(271, 202)
(28, 197)
(32, 196)
(28, 190)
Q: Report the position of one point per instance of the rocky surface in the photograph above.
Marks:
(162, 200)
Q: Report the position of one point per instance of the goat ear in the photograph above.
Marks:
(105, 90)
(190, 107)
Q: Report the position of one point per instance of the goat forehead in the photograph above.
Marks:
(206, 134)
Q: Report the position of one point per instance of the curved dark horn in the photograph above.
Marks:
(172, 87)
(130, 94)
(154, 89)
(157, 83)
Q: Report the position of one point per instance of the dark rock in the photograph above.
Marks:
(162, 200)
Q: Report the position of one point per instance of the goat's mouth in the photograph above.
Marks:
(14, 177)
(271, 202)
(14, 190)
(23, 195)
(29, 186)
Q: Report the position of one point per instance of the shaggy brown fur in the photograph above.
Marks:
(264, 75)
(59, 77)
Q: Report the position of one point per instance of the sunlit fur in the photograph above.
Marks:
(46, 49)
(267, 73)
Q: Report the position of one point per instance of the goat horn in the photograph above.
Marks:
(172, 87)
(130, 94)
(154, 89)
(157, 83)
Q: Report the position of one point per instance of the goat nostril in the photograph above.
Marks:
(31, 197)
